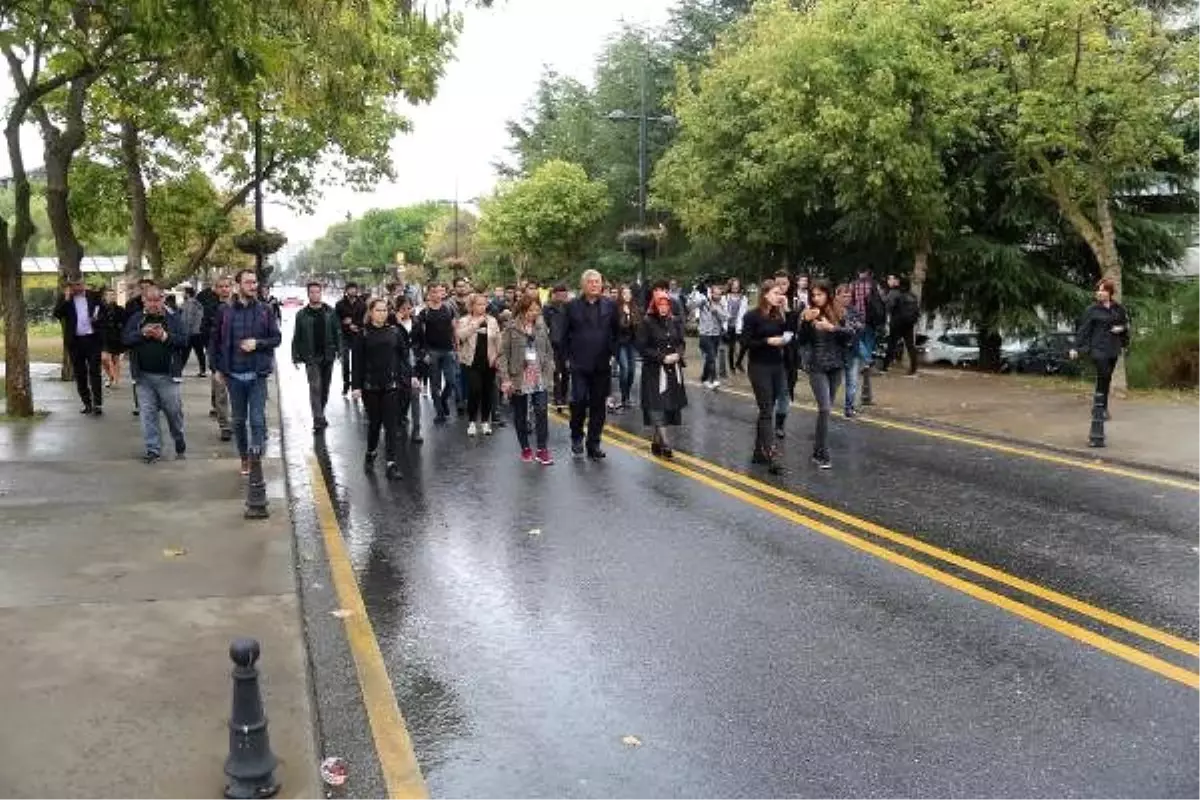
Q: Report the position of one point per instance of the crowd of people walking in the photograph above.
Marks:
(526, 347)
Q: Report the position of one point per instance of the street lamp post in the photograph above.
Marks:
(643, 119)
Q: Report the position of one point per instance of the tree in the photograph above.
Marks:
(543, 221)
(452, 235)
(1096, 89)
(381, 234)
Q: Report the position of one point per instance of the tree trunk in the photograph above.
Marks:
(18, 391)
(920, 266)
(990, 344)
(154, 253)
(135, 188)
(1110, 267)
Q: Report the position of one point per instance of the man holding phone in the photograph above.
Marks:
(157, 342)
(244, 358)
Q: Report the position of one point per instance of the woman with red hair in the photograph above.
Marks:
(660, 343)
(1102, 333)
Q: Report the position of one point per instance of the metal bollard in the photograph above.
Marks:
(1096, 434)
(251, 764)
(256, 490)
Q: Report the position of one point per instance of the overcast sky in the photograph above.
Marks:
(499, 58)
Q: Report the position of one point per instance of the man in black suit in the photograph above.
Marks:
(78, 311)
(589, 342)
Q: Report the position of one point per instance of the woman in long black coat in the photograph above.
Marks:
(661, 346)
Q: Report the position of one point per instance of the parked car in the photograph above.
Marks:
(1048, 354)
(955, 348)
(881, 343)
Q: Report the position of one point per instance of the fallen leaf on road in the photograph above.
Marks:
(334, 771)
(535, 531)
(174, 552)
(631, 741)
(341, 613)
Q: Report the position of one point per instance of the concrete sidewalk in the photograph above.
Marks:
(121, 587)
(1157, 431)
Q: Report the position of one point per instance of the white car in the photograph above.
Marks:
(954, 348)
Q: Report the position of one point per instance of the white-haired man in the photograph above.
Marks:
(589, 342)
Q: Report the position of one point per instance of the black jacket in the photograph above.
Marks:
(355, 309)
(65, 312)
(627, 325)
(656, 339)
(556, 321)
(304, 338)
(756, 329)
(414, 340)
(111, 318)
(381, 359)
(590, 335)
(1094, 335)
(825, 350)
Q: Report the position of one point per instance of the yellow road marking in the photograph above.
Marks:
(1066, 601)
(1095, 466)
(1071, 630)
(397, 761)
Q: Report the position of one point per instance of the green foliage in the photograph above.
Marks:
(380, 234)
(1165, 352)
(453, 235)
(543, 221)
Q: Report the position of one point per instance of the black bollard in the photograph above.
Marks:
(251, 764)
(1096, 434)
(256, 490)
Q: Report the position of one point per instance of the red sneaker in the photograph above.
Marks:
(527, 455)
(544, 458)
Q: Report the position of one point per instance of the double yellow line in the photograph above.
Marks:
(755, 492)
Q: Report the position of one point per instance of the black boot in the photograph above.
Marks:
(369, 461)
(780, 420)
(393, 471)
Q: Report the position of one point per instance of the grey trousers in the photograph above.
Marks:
(320, 374)
(220, 402)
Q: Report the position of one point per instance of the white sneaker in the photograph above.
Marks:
(471, 429)
(487, 429)
(716, 385)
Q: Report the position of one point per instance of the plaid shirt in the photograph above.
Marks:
(860, 290)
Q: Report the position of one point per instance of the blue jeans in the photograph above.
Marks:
(626, 366)
(710, 346)
(854, 368)
(443, 379)
(248, 403)
(157, 392)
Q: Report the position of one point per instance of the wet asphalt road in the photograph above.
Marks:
(530, 618)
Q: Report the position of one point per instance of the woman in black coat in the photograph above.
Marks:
(1102, 333)
(111, 317)
(660, 344)
(380, 371)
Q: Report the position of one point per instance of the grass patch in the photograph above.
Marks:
(45, 342)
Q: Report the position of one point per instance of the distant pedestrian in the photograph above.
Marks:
(661, 345)
(79, 312)
(589, 342)
(526, 368)
(824, 335)
(736, 303)
(409, 328)
(316, 342)
(855, 355)
(555, 314)
(478, 349)
(381, 372)
(904, 311)
(436, 321)
(157, 342)
(244, 345)
(350, 311)
(764, 331)
(111, 321)
(629, 318)
(222, 294)
(1102, 334)
(192, 314)
(712, 316)
(871, 306)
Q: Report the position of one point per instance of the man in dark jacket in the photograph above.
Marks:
(157, 342)
(350, 310)
(904, 311)
(244, 345)
(589, 341)
(555, 315)
(79, 312)
(316, 343)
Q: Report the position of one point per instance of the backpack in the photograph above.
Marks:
(876, 309)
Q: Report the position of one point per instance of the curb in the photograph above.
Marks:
(1087, 454)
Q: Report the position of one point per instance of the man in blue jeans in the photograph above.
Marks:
(157, 342)
(244, 340)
